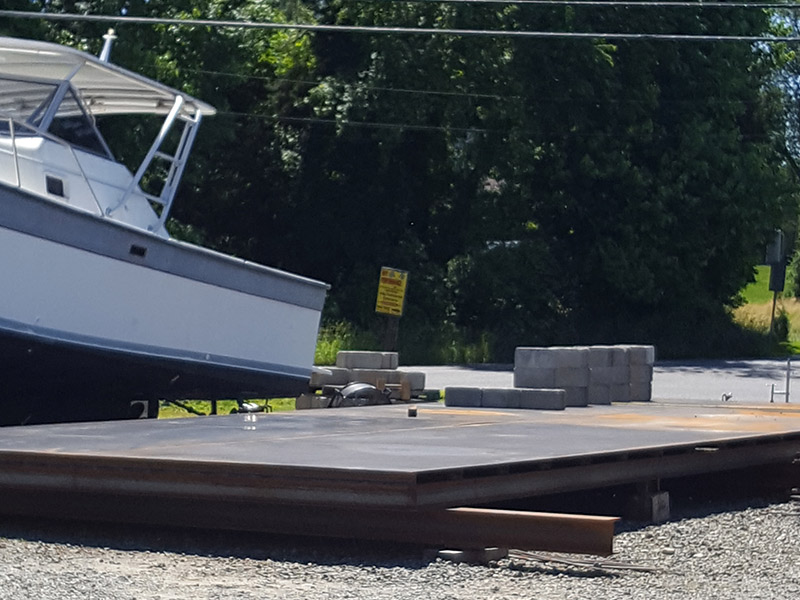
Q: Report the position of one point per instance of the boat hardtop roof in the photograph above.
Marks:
(105, 88)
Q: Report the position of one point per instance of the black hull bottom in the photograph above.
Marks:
(43, 382)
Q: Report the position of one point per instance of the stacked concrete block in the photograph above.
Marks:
(527, 398)
(330, 376)
(642, 359)
(376, 368)
(556, 367)
(609, 374)
(588, 375)
(358, 359)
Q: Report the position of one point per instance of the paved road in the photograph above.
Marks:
(683, 381)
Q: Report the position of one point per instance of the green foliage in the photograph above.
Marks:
(538, 191)
(338, 336)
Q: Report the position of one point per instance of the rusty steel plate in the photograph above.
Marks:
(378, 456)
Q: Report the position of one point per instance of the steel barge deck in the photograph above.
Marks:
(379, 457)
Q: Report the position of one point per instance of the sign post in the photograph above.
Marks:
(391, 302)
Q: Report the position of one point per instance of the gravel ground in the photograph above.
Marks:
(749, 550)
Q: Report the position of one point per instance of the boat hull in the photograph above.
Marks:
(94, 315)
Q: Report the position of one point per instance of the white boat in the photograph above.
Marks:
(100, 310)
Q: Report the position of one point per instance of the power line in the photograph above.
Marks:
(718, 101)
(610, 3)
(366, 124)
(375, 88)
(541, 35)
(348, 124)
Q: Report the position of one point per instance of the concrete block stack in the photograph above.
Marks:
(588, 374)
(642, 359)
(376, 368)
(609, 374)
(528, 398)
(359, 359)
(565, 368)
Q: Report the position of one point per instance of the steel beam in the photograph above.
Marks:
(460, 528)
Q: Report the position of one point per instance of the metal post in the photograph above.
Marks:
(788, 376)
(109, 38)
(772, 316)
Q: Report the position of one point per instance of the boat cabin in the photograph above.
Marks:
(50, 145)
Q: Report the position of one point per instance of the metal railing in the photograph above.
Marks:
(785, 391)
(14, 125)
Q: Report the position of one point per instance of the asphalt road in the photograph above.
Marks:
(701, 381)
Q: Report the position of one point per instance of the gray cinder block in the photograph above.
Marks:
(641, 373)
(551, 357)
(571, 377)
(542, 399)
(641, 355)
(463, 396)
(389, 360)
(621, 393)
(576, 357)
(641, 391)
(608, 356)
(599, 394)
(375, 376)
(576, 396)
(500, 398)
(416, 379)
(335, 376)
(534, 377)
(358, 359)
(534, 358)
(609, 375)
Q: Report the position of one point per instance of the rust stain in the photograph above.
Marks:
(746, 420)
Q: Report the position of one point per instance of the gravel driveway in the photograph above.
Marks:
(738, 552)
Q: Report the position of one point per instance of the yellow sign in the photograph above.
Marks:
(391, 291)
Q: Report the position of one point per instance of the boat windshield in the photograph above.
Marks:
(73, 125)
(25, 101)
(28, 102)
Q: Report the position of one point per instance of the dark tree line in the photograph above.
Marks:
(538, 191)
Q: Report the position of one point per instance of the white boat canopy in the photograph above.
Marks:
(105, 88)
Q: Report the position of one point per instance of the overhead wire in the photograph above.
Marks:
(346, 124)
(496, 33)
(123, 19)
(449, 93)
(605, 3)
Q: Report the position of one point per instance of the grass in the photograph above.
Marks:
(224, 407)
(758, 292)
(756, 313)
(340, 336)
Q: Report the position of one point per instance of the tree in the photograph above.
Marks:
(539, 191)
